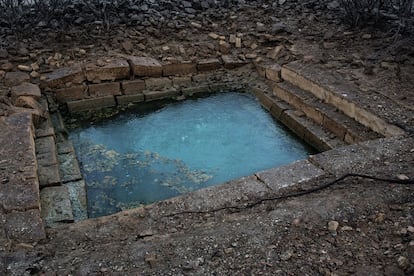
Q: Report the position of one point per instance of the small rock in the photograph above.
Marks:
(347, 228)
(24, 68)
(251, 56)
(281, 2)
(403, 262)
(402, 177)
(232, 39)
(379, 218)
(82, 51)
(253, 46)
(410, 229)
(329, 45)
(34, 74)
(213, 35)
(366, 36)
(224, 47)
(2, 74)
(286, 255)
(196, 25)
(333, 226)
(333, 5)
(165, 48)
(238, 42)
(6, 66)
(35, 66)
(260, 27)
(127, 46)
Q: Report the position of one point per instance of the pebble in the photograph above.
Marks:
(34, 74)
(402, 177)
(366, 36)
(410, 229)
(403, 262)
(333, 226)
(213, 35)
(24, 68)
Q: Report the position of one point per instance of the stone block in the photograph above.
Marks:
(77, 196)
(65, 146)
(181, 81)
(49, 175)
(105, 89)
(26, 89)
(46, 151)
(15, 78)
(19, 193)
(295, 173)
(264, 98)
(158, 95)
(190, 91)
(63, 77)
(145, 66)
(231, 62)
(107, 70)
(73, 93)
(128, 99)
(25, 227)
(229, 194)
(69, 167)
(91, 104)
(158, 83)
(56, 205)
(208, 64)
(273, 72)
(30, 103)
(179, 69)
(133, 87)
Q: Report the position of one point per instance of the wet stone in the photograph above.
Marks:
(69, 167)
(46, 151)
(49, 175)
(77, 195)
(56, 205)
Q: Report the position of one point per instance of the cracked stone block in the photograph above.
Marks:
(145, 66)
(26, 89)
(65, 146)
(25, 226)
(56, 205)
(158, 83)
(64, 76)
(133, 87)
(69, 167)
(108, 69)
(208, 64)
(77, 195)
(231, 62)
(105, 89)
(289, 175)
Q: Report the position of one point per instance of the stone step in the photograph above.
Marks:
(316, 135)
(330, 87)
(324, 114)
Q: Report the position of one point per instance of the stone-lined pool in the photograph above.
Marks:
(136, 159)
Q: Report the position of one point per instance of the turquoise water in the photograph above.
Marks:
(137, 159)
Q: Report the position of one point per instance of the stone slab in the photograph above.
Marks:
(108, 70)
(18, 172)
(46, 151)
(49, 175)
(91, 104)
(265, 98)
(232, 193)
(105, 89)
(69, 167)
(179, 69)
(15, 78)
(26, 89)
(65, 146)
(64, 76)
(145, 66)
(25, 227)
(133, 87)
(289, 175)
(56, 205)
(158, 83)
(181, 81)
(208, 64)
(356, 158)
(73, 93)
(158, 95)
(128, 99)
(77, 196)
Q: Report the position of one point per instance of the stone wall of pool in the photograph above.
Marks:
(311, 103)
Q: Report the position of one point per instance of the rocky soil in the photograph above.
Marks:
(358, 227)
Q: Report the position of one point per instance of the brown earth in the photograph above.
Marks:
(282, 237)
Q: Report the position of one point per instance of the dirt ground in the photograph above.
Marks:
(287, 237)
